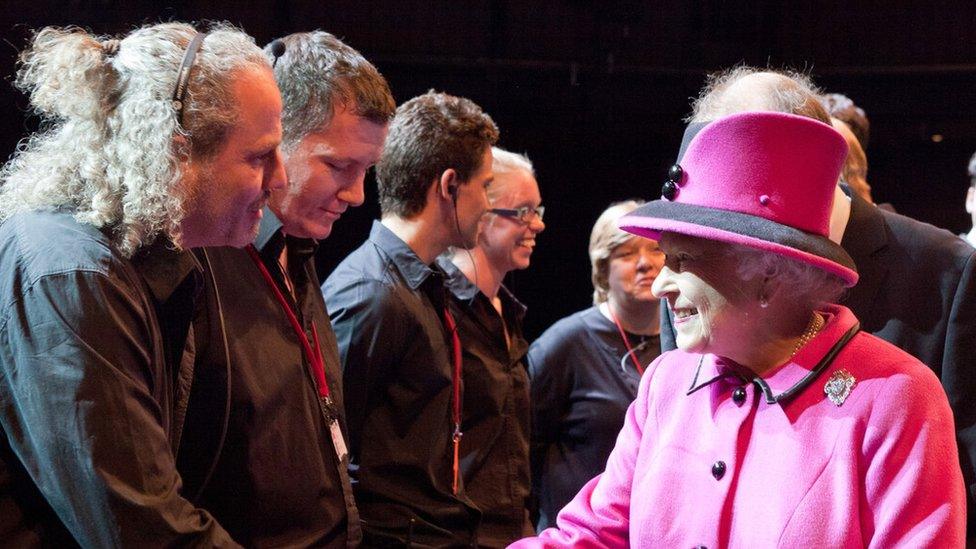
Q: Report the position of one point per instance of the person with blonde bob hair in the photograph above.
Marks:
(776, 422)
(156, 142)
(586, 367)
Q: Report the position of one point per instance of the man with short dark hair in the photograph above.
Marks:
(495, 447)
(917, 286)
(397, 341)
(282, 476)
(161, 141)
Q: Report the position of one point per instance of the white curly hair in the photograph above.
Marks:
(111, 147)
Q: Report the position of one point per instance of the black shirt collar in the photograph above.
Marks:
(269, 232)
(465, 290)
(457, 282)
(271, 240)
(413, 270)
(164, 268)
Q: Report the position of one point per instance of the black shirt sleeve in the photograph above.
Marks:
(368, 322)
(549, 390)
(79, 403)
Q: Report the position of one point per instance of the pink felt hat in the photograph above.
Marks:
(760, 179)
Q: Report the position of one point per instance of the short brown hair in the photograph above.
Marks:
(318, 73)
(430, 133)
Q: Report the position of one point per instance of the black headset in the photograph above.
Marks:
(277, 50)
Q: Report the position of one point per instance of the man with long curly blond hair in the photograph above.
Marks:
(161, 141)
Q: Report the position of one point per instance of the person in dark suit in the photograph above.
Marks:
(917, 288)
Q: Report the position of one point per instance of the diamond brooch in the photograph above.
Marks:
(839, 386)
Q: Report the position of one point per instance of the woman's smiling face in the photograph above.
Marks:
(714, 308)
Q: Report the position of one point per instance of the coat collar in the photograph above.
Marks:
(790, 379)
(866, 240)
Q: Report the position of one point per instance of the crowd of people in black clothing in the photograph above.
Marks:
(174, 372)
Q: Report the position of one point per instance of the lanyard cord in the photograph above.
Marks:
(315, 361)
(456, 397)
(623, 335)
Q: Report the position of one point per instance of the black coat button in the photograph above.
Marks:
(674, 173)
(739, 396)
(718, 470)
(669, 190)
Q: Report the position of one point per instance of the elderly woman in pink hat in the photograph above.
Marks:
(776, 422)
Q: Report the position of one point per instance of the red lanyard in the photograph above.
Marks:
(623, 335)
(315, 360)
(456, 400)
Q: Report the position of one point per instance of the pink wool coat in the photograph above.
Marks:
(699, 463)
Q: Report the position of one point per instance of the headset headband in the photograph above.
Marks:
(183, 79)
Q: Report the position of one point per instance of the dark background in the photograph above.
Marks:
(594, 92)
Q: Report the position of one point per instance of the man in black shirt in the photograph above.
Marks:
(495, 446)
(162, 141)
(281, 479)
(396, 342)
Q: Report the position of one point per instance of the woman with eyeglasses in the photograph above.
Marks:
(585, 369)
(494, 440)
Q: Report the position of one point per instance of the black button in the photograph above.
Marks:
(674, 173)
(669, 190)
(718, 470)
(739, 396)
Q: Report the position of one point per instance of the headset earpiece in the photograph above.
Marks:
(453, 189)
(277, 50)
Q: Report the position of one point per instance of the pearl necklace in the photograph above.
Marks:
(816, 323)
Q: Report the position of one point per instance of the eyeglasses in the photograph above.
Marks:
(523, 214)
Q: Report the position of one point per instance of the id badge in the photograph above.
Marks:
(332, 416)
(337, 441)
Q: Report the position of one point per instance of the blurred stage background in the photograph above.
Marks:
(595, 91)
